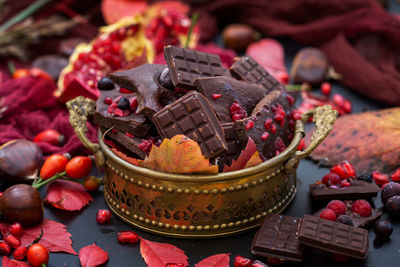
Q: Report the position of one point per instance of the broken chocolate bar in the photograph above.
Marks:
(234, 147)
(334, 237)
(131, 143)
(358, 189)
(193, 116)
(278, 238)
(246, 68)
(223, 91)
(186, 65)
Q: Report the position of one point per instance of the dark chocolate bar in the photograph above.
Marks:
(358, 221)
(131, 143)
(223, 91)
(186, 65)
(192, 115)
(246, 68)
(334, 237)
(234, 147)
(278, 238)
(358, 189)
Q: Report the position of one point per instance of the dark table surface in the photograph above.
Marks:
(85, 231)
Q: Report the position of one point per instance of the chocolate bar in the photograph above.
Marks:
(358, 189)
(193, 116)
(270, 125)
(358, 221)
(131, 143)
(132, 123)
(246, 68)
(223, 91)
(144, 81)
(278, 238)
(186, 65)
(334, 237)
(234, 147)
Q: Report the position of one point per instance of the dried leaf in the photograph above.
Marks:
(113, 10)
(370, 141)
(91, 256)
(178, 155)
(218, 260)
(7, 262)
(160, 254)
(125, 157)
(248, 154)
(67, 195)
(55, 237)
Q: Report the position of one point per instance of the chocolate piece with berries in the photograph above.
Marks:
(118, 110)
(271, 125)
(130, 142)
(223, 92)
(145, 82)
(234, 147)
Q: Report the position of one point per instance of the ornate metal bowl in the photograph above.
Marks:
(199, 206)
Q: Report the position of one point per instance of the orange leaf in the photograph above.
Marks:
(370, 141)
(253, 161)
(125, 157)
(249, 153)
(178, 155)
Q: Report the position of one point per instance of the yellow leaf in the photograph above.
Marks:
(253, 161)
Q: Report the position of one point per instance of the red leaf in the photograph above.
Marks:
(91, 256)
(7, 262)
(226, 55)
(67, 195)
(55, 237)
(243, 158)
(269, 54)
(218, 260)
(114, 10)
(160, 254)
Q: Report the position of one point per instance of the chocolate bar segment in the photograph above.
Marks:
(246, 68)
(186, 65)
(358, 189)
(193, 116)
(278, 238)
(334, 237)
(223, 91)
(131, 143)
(234, 147)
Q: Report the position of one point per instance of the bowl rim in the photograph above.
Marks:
(223, 176)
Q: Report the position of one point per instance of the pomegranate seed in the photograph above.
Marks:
(16, 229)
(338, 100)
(129, 135)
(267, 123)
(283, 78)
(258, 264)
(216, 96)
(12, 241)
(4, 228)
(146, 145)
(4, 248)
(264, 136)
(236, 117)
(296, 115)
(348, 168)
(380, 178)
(326, 88)
(242, 262)
(134, 103)
(249, 125)
(273, 128)
(396, 176)
(108, 101)
(290, 100)
(118, 112)
(237, 112)
(125, 91)
(127, 237)
(302, 145)
(339, 170)
(279, 145)
(347, 106)
(20, 253)
(103, 216)
(331, 178)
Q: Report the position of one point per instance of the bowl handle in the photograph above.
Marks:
(79, 109)
(323, 118)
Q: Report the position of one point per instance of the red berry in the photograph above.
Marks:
(103, 216)
(338, 100)
(258, 264)
(326, 88)
(267, 123)
(37, 255)
(337, 206)
(341, 258)
(4, 248)
(290, 99)
(242, 262)
(79, 167)
(216, 96)
(331, 179)
(273, 128)
(134, 103)
(283, 78)
(237, 112)
(16, 229)
(328, 214)
(396, 176)
(264, 136)
(296, 115)
(249, 125)
(20, 253)
(302, 145)
(347, 106)
(339, 170)
(108, 101)
(127, 237)
(12, 241)
(92, 183)
(129, 135)
(362, 207)
(124, 91)
(348, 169)
(146, 145)
(345, 183)
(380, 178)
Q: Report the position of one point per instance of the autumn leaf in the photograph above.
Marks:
(55, 237)
(369, 140)
(67, 195)
(113, 10)
(7, 262)
(218, 260)
(125, 157)
(178, 155)
(248, 157)
(160, 254)
(91, 256)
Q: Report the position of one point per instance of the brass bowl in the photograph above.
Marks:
(199, 206)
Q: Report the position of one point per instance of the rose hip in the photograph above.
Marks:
(326, 88)
(127, 237)
(103, 216)
(16, 229)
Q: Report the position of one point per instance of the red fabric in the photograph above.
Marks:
(331, 25)
(27, 107)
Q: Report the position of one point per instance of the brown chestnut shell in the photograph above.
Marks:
(310, 65)
(238, 36)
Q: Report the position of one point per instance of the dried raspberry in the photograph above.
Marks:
(339, 170)
(249, 125)
(362, 207)
(127, 237)
(290, 100)
(396, 176)
(279, 114)
(242, 262)
(20, 253)
(216, 96)
(129, 135)
(273, 128)
(264, 136)
(103, 216)
(12, 241)
(331, 179)
(326, 88)
(337, 206)
(4, 248)
(16, 229)
(118, 112)
(124, 91)
(345, 183)
(267, 123)
(296, 115)
(380, 178)
(237, 112)
(146, 144)
(279, 145)
(328, 214)
(134, 103)
(108, 101)
(348, 169)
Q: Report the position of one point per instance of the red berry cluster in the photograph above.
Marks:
(339, 175)
(336, 208)
(121, 106)
(146, 144)
(237, 112)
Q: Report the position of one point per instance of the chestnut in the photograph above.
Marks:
(310, 65)
(22, 203)
(239, 36)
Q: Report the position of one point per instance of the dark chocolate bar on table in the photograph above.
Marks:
(334, 237)
(278, 238)
(192, 115)
(186, 65)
